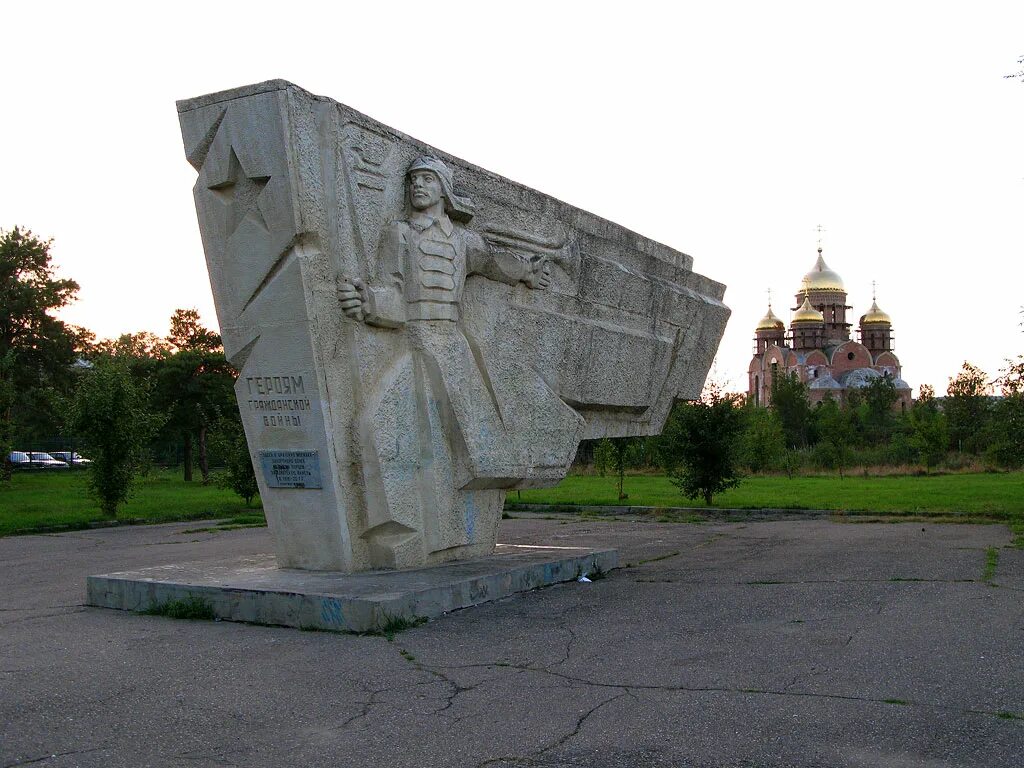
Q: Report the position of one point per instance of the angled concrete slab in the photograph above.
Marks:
(253, 589)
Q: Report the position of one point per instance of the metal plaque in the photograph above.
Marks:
(291, 469)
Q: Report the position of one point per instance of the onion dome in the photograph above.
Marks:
(875, 316)
(822, 278)
(770, 322)
(825, 382)
(807, 313)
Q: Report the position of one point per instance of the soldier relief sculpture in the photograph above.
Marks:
(436, 442)
(449, 350)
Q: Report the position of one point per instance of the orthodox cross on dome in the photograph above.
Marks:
(821, 231)
(769, 298)
(240, 193)
(874, 290)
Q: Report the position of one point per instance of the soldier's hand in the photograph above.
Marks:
(544, 279)
(352, 295)
(540, 273)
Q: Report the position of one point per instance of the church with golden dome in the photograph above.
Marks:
(817, 347)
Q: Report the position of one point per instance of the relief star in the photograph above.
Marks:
(240, 193)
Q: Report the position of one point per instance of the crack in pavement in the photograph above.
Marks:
(51, 756)
(633, 687)
(40, 608)
(580, 721)
(22, 619)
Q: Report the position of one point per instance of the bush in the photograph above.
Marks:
(109, 411)
(699, 448)
(227, 439)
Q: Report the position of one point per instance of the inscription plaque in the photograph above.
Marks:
(291, 469)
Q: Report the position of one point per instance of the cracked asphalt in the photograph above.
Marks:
(794, 643)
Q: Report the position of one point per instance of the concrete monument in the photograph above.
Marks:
(415, 335)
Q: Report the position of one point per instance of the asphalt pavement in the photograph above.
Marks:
(793, 643)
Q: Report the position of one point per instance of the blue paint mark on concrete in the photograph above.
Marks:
(330, 612)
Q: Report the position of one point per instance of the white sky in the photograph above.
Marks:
(727, 130)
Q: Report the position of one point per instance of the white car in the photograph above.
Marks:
(40, 460)
(71, 458)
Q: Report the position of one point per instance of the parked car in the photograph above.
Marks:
(19, 460)
(40, 460)
(71, 458)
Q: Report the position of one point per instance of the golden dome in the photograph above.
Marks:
(770, 322)
(875, 315)
(807, 313)
(821, 278)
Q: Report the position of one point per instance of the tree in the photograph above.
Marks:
(877, 400)
(36, 349)
(110, 413)
(836, 428)
(618, 454)
(700, 446)
(763, 446)
(929, 435)
(967, 408)
(227, 439)
(791, 402)
(187, 333)
(193, 382)
(1007, 431)
(1019, 74)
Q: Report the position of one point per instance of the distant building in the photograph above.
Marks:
(818, 348)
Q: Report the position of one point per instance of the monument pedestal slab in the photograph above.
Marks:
(253, 589)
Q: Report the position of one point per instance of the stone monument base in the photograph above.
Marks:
(253, 589)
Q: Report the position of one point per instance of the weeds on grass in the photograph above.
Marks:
(191, 607)
(392, 625)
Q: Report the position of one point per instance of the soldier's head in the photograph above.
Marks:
(425, 191)
(430, 183)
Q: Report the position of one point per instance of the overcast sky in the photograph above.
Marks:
(728, 130)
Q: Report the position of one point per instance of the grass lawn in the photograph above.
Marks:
(954, 498)
(42, 500)
(999, 495)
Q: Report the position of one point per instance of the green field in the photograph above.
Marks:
(1000, 495)
(35, 501)
(46, 500)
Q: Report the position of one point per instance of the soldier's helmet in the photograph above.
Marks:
(457, 207)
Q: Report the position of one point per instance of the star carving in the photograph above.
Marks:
(240, 193)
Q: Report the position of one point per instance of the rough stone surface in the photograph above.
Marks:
(417, 335)
(253, 589)
(767, 645)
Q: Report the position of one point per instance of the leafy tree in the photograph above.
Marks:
(967, 408)
(227, 439)
(763, 446)
(1019, 74)
(790, 400)
(134, 346)
(1007, 430)
(193, 381)
(876, 412)
(836, 428)
(110, 413)
(700, 446)
(37, 350)
(929, 435)
(188, 333)
(618, 454)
